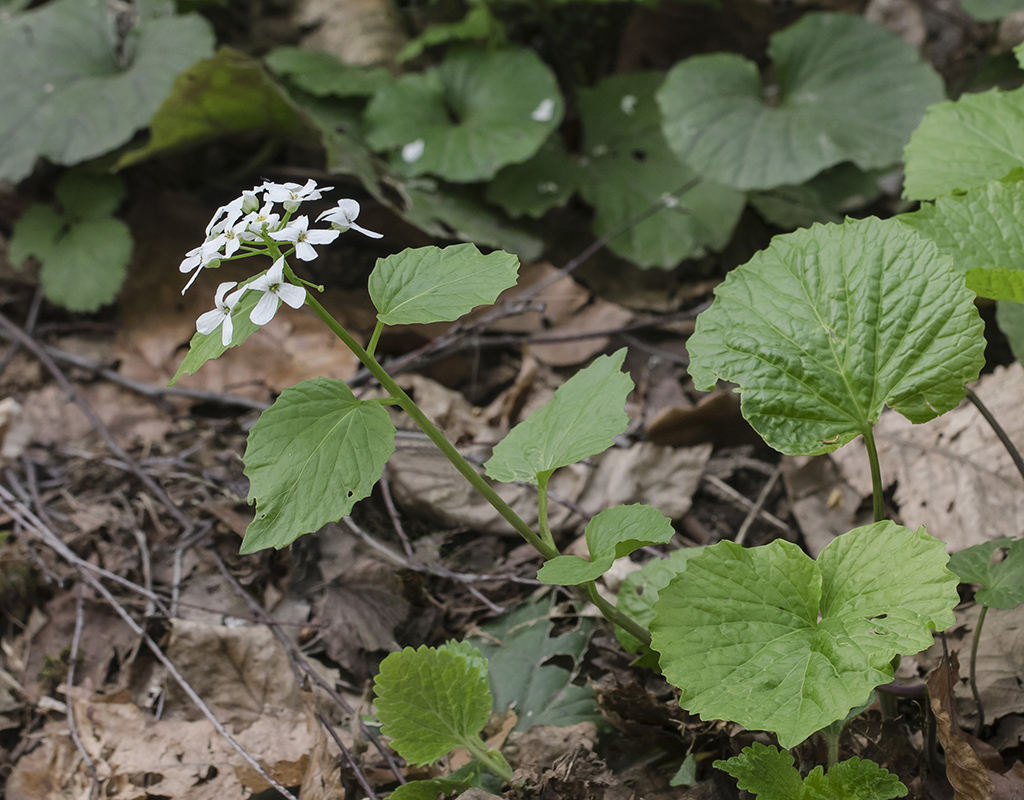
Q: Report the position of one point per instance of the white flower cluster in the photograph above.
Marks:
(248, 226)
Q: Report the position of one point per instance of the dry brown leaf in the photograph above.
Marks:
(716, 419)
(361, 32)
(952, 474)
(825, 505)
(1009, 785)
(598, 316)
(968, 776)
(561, 300)
(239, 672)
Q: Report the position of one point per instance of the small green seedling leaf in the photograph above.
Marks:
(835, 101)
(979, 229)
(769, 774)
(70, 93)
(430, 284)
(35, 234)
(323, 75)
(997, 284)
(626, 166)
(87, 265)
(612, 534)
(687, 772)
(479, 23)
(830, 324)
(433, 789)
(311, 456)
(207, 346)
(430, 701)
(771, 639)
(517, 647)
(467, 118)
(1002, 582)
(985, 131)
(639, 591)
(89, 195)
(581, 420)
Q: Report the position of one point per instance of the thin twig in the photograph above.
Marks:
(396, 520)
(348, 756)
(76, 639)
(755, 510)
(26, 341)
(1011, 448)
(720, 486)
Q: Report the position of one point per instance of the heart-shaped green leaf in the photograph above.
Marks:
(87, 265)
(430, 701)
(639, 591)
(626, 166)
(614, 533)
(773, 640)
(769, 774)
(581, 420)
(68, 97)
(985, 134)
(428, 284)
(468, 117)
(833, 322)
(835, 101)
(1002, 582)
(312, 456)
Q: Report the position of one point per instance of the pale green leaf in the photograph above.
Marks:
(965, 143)
(323, 75)
(773, 640)
(35, 233)
(769, 774)
(478, 23)
(978, 229)
(581, 420)
(1018, 52)
(626, 167)
(1002, 582)
(67, 96)
(310, 458)
(1010, 318)
(830, 324)
(518, 647)
(835, 101)
(428, 284)
(547, 180)
(430, 701)
(612, 534)
(766, 772)
(639, 591)
(223, 96)
(466, 650)
(89, 195)
(205, 347)
(997, 284)
(687, 772)
(87, 265)
(468, 117)
(433, 789)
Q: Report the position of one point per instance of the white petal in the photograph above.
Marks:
(294, 296)
(208, 322)
(218, 297)
(226, 331)
(191, 280)
(316, 236)
(362, 230)
(265, 309)
(304, 251)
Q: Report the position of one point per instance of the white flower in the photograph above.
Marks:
(233, 210)
(196, 259)
(258, 221)
(221, 315)
(295, 231)
(274, 290)
(342, 217)
(291, 194)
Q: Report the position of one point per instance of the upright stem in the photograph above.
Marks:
(974, 674)
(876, 476)
(542, 510)
(435, 435)
(612, 614)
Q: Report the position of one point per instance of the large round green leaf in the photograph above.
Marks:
(68, 96)
(832, 323)
(773, 640)
(970, 142)
(836, 100)
(468, 117)
(626, 167)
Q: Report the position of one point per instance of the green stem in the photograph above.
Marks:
(876, 476)
(1011, 448)
(542, 509)
(831, 734)
(378, 329)
(435, 435)
(613, 615)
(973, 675)
(492, 759)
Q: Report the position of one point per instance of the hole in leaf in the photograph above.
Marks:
(639, 156)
